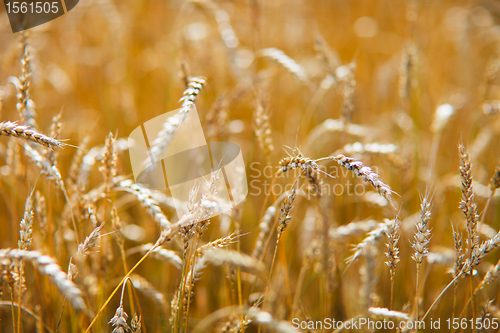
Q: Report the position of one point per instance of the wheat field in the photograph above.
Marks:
(370, 134)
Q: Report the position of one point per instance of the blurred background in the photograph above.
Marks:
(379, 69)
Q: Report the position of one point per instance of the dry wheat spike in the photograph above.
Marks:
(9, 128)
(366, 173)
(47, 265)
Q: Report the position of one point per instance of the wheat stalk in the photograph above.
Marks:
(263, 129)
(420, 245)
(372, 148)
(76, 164)
(490, 276)
(392, 253)
(45, 166)
(41, 213)
(264, 228)
(348, 86)
(285, 212)
(25, 105)
(26, 225)
(336, 126)
(494, 185)
(226, 30)
(216, 119)
(353, 229)
(485, 313)
(480, 252)
(288, 63)
(367, 293)
(172, 124)
(495, 180)
(384, 313)
(135, 324)
(406, 72)
(372, 238)
(109, 160)
(145, 197)
(143, 285)
(118, 230)
(55, 131)
(458, 263)
(266, 320)
(93, 155)
(422, 234)
(25, 238)
(445, 258)
(119, 321)
(47, 265)
(158, 253)
(217, 244)
(25, 133)
(366, 173)
(467, 204)
(219, 257)
(329, 58)
(203, 210)
(90, 241)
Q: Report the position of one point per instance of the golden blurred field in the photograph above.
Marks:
(396, 85)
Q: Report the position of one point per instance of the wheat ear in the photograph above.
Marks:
(288, 63)
(26, 225)
(47, 265)
(172, 124)
(490, 276)
(52, 172)
(467, 205)
(264, 228)
(119, 320)
(392, 253)
(469, 209)
(353, 229)
(366, 173)
(494, 185)
(109, 160)
(25, 105)
(266, 320)
(90, 241)
(372, 238)
(143, 285)
(25, 238)
(158, 253)
(55, 131)
(385, 313)
(263, 129)
(23, 132)
(136, 324)
(145, 197)
(367, 293)
(218, 257)
(202, 212)
(459, 261)
(478, 254)
(348, 87)
(420, 245)
(285, 213)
